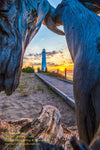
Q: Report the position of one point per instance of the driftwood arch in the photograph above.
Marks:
(19, 22)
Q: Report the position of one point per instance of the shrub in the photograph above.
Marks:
(28, 70)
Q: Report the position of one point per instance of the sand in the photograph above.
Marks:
(29, 98)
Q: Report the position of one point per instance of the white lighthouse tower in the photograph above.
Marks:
(43, 60)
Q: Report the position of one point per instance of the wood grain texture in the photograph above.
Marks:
(20, 20)
(82, 30)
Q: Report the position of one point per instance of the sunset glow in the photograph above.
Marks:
(62, 69)
(55, 60)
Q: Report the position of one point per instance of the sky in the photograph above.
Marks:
(58, 56)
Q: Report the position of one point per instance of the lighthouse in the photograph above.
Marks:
(43, 60)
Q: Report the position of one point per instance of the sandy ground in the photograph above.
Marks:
(29, 98)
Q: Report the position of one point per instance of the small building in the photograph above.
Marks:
(43, 60)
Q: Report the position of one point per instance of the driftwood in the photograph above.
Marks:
(82, 30)
(93, 5)
(41, 145)
(14, 135)
(76, 144)
(43, 133)
(19, 22)
(94, 145)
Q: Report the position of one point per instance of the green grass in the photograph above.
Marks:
(22, 88)
(54, 74)
(40, 88)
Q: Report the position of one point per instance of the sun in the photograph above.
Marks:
(62, 69)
